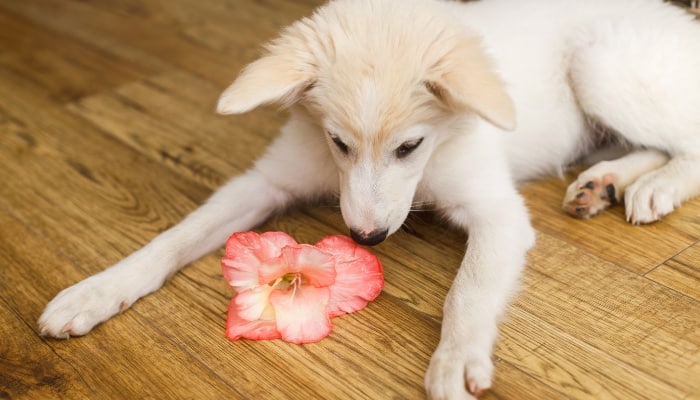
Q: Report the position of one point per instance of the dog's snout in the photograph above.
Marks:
(369, 239)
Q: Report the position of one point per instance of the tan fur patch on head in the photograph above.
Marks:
(385, 65)
(372, 109)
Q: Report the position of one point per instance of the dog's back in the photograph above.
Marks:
(534, 43)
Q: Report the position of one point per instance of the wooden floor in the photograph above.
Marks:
(108, 136)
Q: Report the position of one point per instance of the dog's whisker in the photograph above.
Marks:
(422, 206)
(407, 228)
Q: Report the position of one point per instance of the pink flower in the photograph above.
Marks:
(289, 291)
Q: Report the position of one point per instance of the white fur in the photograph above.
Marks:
(363, 78)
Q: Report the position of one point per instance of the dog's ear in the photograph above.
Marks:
(464, 78)
(280, 76)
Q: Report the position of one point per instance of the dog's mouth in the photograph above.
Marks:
(369, 239)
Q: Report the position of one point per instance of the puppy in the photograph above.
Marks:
(402, 102)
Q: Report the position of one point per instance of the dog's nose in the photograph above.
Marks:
(369, 239)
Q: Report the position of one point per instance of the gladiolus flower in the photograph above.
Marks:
(290, 291)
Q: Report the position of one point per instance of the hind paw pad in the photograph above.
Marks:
(587, 197)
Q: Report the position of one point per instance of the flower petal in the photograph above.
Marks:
(277, 241)
(241, 270)
(237, 327)
(316, 266)
(359, 275)
(247, 252)
(301, 314)
(252, 303)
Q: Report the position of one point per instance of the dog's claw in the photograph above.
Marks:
(474, 388)
(66, 331)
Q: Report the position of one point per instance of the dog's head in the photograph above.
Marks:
(387, 81)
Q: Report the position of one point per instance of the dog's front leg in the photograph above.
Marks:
(289, 171)
(499, 237)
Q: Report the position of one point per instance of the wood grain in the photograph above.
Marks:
(108, 137)
(637, 248)
(681, 273)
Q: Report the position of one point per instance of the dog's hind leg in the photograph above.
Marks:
(604, 184)
(641, 81)
(289, 171)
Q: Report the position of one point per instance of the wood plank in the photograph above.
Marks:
(46, 150)
(581, 371)
(66, 68)
(630, 318)
(178, 14)
(85, 21)
(511, 382)
(42, 28)
(608, 235)
(681, 273)
(39, 373)
(153, 117)
(164, 370)
(45, 163)
(168, 96)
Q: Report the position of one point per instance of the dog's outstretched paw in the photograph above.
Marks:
(588, 196)
(649, 199)
(77, 309)
(454, 377)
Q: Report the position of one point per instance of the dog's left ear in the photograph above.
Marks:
(278, 77)
(464, 78)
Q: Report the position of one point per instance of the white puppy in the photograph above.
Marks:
(402, 102)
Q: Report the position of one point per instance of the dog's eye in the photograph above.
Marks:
(341, 146)
(407, 148)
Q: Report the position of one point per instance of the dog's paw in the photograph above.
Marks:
(77, 309)
(589, 195)
(452, 376)
(649, 199)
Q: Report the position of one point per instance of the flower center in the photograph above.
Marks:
(291, 281)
